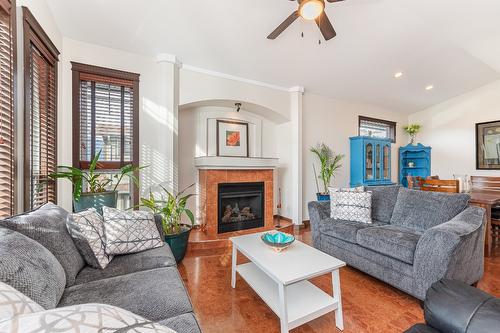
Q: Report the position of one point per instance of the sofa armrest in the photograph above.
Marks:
(453, 250)
(318, 211)
(453, 306)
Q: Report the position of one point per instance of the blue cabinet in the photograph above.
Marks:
(370, 161)
(414, 161)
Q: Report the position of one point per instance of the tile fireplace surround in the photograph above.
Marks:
(209, 180)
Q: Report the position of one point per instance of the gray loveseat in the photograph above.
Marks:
(416, 238)
(38, 257)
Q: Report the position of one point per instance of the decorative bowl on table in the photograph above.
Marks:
(278, 241)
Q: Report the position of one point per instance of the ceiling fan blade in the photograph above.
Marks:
(325, 26)
(286, 23)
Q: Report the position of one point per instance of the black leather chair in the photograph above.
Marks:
(454, 307)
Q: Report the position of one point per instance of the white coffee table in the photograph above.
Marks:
(280, 279)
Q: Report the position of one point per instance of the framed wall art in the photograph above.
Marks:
(488, 145)
(232, 138)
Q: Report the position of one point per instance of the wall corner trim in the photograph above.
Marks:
(298, 89)
(170, 58)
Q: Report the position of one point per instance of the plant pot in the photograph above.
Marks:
(95, 200)
(323, 197)
(178, 242)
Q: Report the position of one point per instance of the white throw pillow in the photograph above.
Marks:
(130, 231)
(14, 302)
(352, 206)
(87, 230)
(334, 190)
(84, 318)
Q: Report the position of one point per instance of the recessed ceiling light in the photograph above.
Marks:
(429, 87)
(398, 75)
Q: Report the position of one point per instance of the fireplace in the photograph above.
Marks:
(240, 206)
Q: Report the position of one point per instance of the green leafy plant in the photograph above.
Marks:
(171, 208)
(97, 181)
(329, 161)
(412, 130)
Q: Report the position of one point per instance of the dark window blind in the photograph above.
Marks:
(7, 157)
(41, 114)
(106, 121)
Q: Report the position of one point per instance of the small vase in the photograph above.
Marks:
(412, 139)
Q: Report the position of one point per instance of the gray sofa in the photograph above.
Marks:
(38, 257)
(416, 238)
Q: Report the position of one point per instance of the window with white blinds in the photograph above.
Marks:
(40, 121)
(106, 120)
(377, 128)
(7, 67)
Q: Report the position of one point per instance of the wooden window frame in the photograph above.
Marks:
(9, 6)
(392, 124)
(112, 76)
(34, 34)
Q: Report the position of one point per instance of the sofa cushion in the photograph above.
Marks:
(185, 323)
(89, 318)
(345, 230)
(130, 231)
(47, 225)
(156, 294)
(87, 230)
(422, 210)
(383, 201)
(30, 268)
(394, 241)
(14, 303)
(129, 263)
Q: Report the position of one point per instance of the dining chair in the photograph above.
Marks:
(414, 182)
(438, 185)
(485, 183)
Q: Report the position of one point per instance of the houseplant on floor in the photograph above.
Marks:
(101, 190)
(172, 208)
(329, 164)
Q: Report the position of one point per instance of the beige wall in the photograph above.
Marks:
(449, 128)
(333, 121)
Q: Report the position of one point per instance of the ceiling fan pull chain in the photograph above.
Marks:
(302, 34)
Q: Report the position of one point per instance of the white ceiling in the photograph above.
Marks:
(452, 44)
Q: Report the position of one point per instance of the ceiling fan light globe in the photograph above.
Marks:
(311, 9)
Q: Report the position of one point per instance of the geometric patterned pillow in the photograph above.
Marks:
(130, 231)
(13, 303)
(84, 318)
(334, 190)
(352, 206)
(87, 230)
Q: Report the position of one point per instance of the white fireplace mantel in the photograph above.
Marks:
(235, 163)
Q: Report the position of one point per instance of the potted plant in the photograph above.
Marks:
(412, 130)
(99, 193)
(330, 163)
(171, 208)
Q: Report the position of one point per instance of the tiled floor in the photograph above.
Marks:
(369, 305)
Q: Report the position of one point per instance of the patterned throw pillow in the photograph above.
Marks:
(352, 206)
(334, 190)
(130, 231)
(14, 302)
(87, 230)
(84, 318)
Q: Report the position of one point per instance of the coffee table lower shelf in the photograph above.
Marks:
(304, 301)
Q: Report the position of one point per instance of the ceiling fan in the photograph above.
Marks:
(309, 10)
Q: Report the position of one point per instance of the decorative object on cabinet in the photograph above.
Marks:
(412, 130)
(370, 161)
(329, 163)
(488, 145)
(414, 161)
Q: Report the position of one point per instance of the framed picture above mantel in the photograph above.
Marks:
(488, 145)
(232, 138)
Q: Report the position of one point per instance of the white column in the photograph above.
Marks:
(160, 151)
(296, 96)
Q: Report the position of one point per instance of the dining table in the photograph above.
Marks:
(486, 199)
